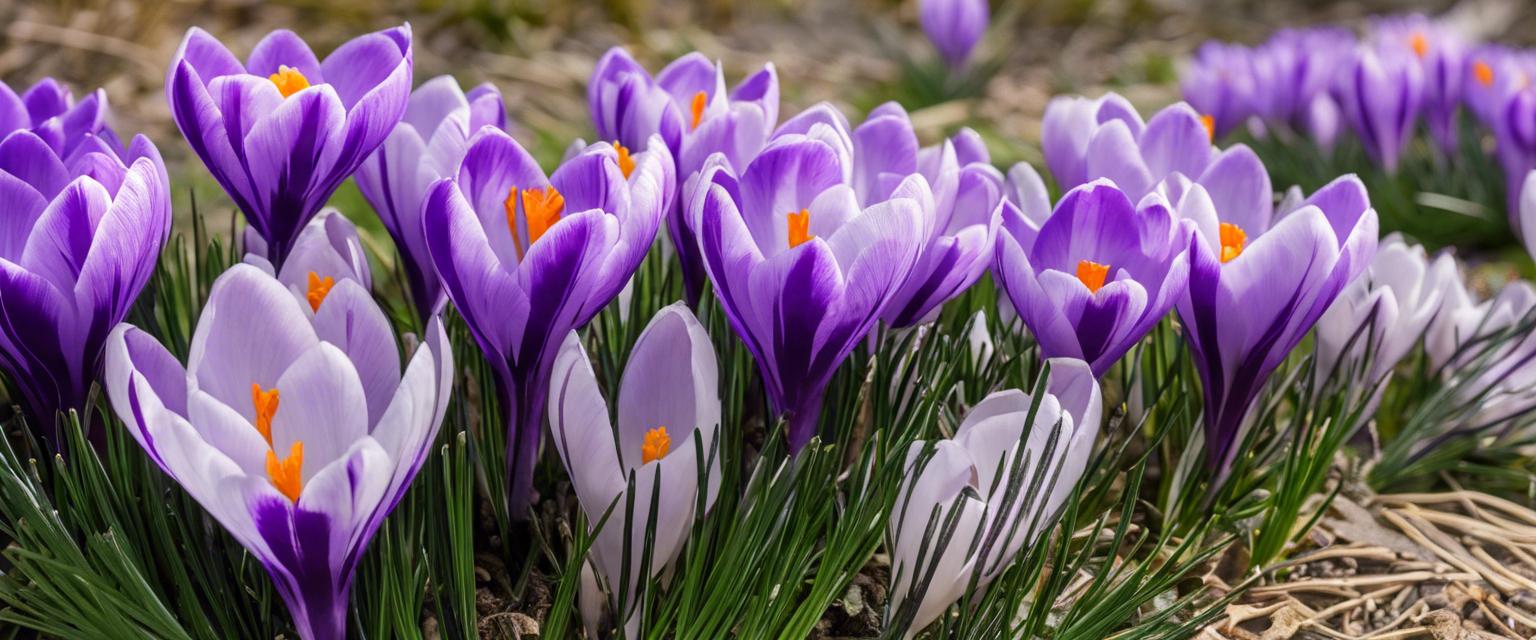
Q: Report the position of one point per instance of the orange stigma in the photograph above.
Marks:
(699, 100)
(1483, 73)
(1210, 125)
(1092, 274)
(288, 80)
(656, 445)
(319, 288)
(541, 210)
(266, 407)
(799, 228)
(284, 472)
(1232, 240)
(626, 163)
(1420, 44)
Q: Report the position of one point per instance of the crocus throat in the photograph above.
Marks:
(656, 445)
(541, 210)
(1232, 240)
(799, 228)
(265, 402)
(626, 163)
(288, 80)
(1483, 73)
(1210, 125)
(285, 472)
(1420, 45)
(319, 288)
(699, 100)
(1092, 274)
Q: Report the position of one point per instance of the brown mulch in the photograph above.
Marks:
(1459, 565)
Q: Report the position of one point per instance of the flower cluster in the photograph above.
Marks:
(299, 416)
(1400, 73)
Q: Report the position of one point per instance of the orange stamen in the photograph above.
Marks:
(1210, 125)
(799, 228)
(626, 163)
(1483, 73)
(1232, 240)
(1420, 45)
(284, 472)
(1092, 274)
(699, 100)
(656, 445)
(266, 407)
(319, 288)
(288, 80)
(542, 208)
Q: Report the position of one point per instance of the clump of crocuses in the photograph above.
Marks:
(668, 412)
(1007, 476)
(292, 424)
(283, 130)
(83, 224)
(688, 106)
(526, 259)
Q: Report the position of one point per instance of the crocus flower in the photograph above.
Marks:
(1381, 94)
(526, 259)
(964, 216)
(1468, 342)
(669, 389)
(49, 110)
(328, 250)
(1221, 83)
(1098, 275)
(1174, 144)
(972, 472)
(802, 271)
(1256, 290)
(1380, 316)
(79, 238)
(1070, 124)
(954, 26)
(281, 132)
(293, 426)
(1439, 51)
(427, 145)
(688, 106)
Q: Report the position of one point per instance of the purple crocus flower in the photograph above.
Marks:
(294, 427)
(79, 238)
(669, 389)
(1255, 290)
(1221, 82)
(427, 145)
(1380, 93)
(1097, 276)
(973, 472)
(954, 26)
(688, 106)
(328, 250)
(802, 271)
(1070, 124)
(281, 132)
(1380, 316)
(1439, 51)
(49, 110)
(526, 259)
(964, 215)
